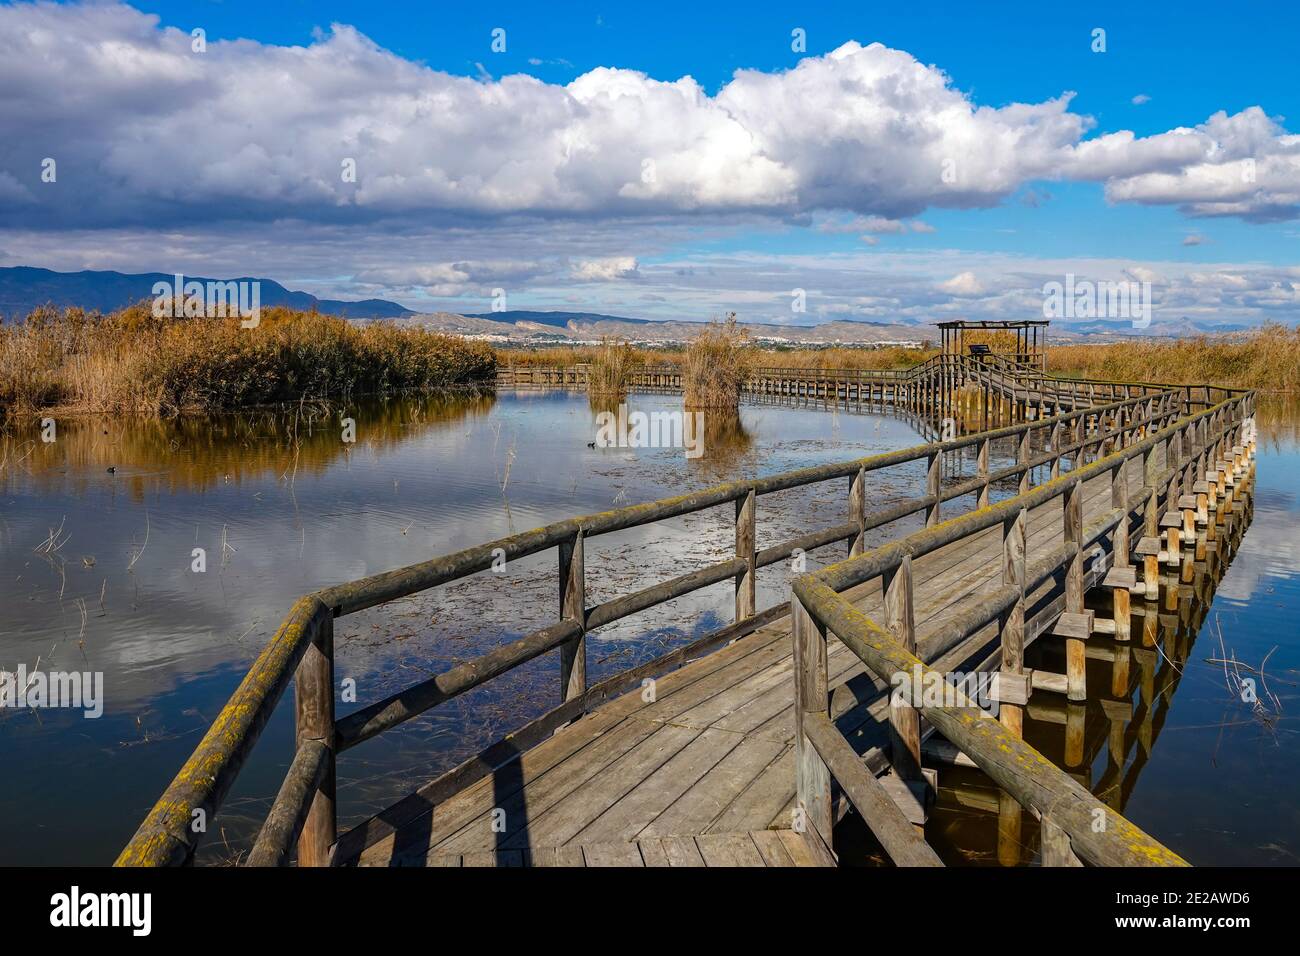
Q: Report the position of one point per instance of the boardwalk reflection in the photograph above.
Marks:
(1107, 741)
(196, 452)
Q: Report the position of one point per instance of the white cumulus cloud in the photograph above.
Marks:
(147, 131)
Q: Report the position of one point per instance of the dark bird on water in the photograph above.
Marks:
(112, 470)
(591, 444)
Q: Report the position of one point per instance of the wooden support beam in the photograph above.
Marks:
(1013, 621)
(812, 776)
(983, 473)
(1075, 628)
(573, 607)
(313, 686)
(904, 719)
(1056, 849)
(1074, 645)
(858, 511)
(746, 537)
(944, 751)
(1122, 581)
(1048, 681)
(933, 486)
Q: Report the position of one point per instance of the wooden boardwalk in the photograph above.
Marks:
(714, 752)
(746, 746)
(762, 848)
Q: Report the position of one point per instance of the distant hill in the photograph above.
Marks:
(23, 288)
(559, 319)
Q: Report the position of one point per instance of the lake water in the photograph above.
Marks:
(98, 538)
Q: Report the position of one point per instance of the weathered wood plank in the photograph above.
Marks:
(729, 849)
(697, 809)
(771, 848)
(653, 853)
(613, 854)
(578, 759)
(682, 851)
(626, 817)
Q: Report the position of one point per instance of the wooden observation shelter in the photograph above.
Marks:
(963, 337)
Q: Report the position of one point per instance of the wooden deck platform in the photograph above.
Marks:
(711, 756)
(762, 848)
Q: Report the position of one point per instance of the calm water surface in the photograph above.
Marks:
(282, 505)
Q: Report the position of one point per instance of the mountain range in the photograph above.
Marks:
(24, 288)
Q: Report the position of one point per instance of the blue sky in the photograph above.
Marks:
(1040, 205)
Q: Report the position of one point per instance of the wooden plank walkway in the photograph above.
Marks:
(761, 848)
(710, 755)
(706, 753)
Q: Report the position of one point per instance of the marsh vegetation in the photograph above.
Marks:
(133, 361)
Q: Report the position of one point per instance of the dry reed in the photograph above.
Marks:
(717, 365)
(132, 361)
(611, 368)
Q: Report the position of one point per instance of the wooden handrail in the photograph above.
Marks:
(914, 371)
(1068, 811)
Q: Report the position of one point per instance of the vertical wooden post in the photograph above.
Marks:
(933, 485)
(1013, 623)
(573, 607)
(1151, 524)
(812, 776)
(1056, 451)
(858, 511)
(1121, 548)
(1010, 824)
(313, 689)
(1075, 659)
(983, 471)
(904, 719)
(1057, 850)
(1076, 719)
(1119, 671)
(1022, 459)
(745, 548)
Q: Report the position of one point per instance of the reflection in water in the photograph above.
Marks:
(196, 452)
(281, 505)
(726, 443)
(604, 403)
(1108, 743)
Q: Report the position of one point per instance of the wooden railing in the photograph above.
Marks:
(1075, 825)
(303, 814)
(928, 387)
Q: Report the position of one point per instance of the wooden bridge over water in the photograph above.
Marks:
(1063, 519)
